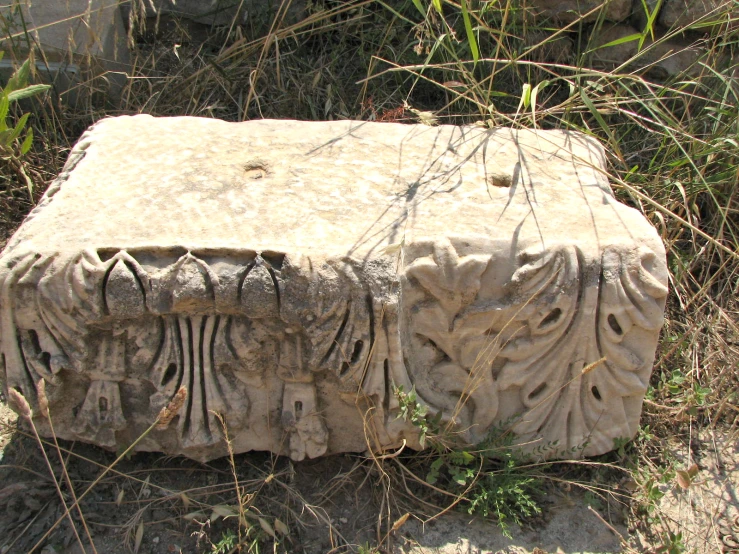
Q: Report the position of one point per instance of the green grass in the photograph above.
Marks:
(673, 152)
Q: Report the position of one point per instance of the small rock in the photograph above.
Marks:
(545, 47)
(699, 15)
(662, 59)
(567, 11)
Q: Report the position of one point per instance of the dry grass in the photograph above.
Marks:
(673, 153)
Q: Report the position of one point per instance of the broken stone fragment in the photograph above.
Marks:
(308, 282)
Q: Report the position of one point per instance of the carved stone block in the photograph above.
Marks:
(294, 276)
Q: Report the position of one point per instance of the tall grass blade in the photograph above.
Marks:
(470, 32)
(419, 7)
(27, 92)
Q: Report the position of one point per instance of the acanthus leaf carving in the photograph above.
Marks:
(466, 395)
(560, 312)
(259, 293)
(452, 280)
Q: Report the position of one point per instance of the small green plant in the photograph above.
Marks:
(620, 444)
(682, 390)
(12, 148)
(652, 487)
(508, 494)
(366, 548)
(491, 479)
(672, 543)
(226, 544)
(413, 411)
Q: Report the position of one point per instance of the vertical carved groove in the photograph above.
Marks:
(242, 279)
(276, 284)
(388, 392)
(598, 307)
(371, 312)
(211, 353)
(339, 333)
(201, 370)
(26, 370)
(106, 278)
(186, 340)
(227, 338)
(180, 357)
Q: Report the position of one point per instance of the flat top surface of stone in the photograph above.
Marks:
(338, 188)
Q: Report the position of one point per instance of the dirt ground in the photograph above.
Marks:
(156, 504)
(707, 512)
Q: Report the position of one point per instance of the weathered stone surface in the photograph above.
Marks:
(72, 27)
(74, 36)
(292, 274)
(700, 15)
(661, 59)
(225, 12)
(567, 11)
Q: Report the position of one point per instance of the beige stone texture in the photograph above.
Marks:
(294, 276)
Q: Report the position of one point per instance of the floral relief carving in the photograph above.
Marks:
(560, 352)
(232, 326)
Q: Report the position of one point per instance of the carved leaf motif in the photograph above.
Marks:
(124, 293)
(247, 347)
(476, 384)
(584, 324)
(631, 297)
(187, 286)
(333, 308)
(69, 300)
(258, 293)
(452, 280)
(17, 376)
(542, 307)
(432, 321)
(50, 322)
(466, 392)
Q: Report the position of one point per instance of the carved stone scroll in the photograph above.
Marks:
(295, 277)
